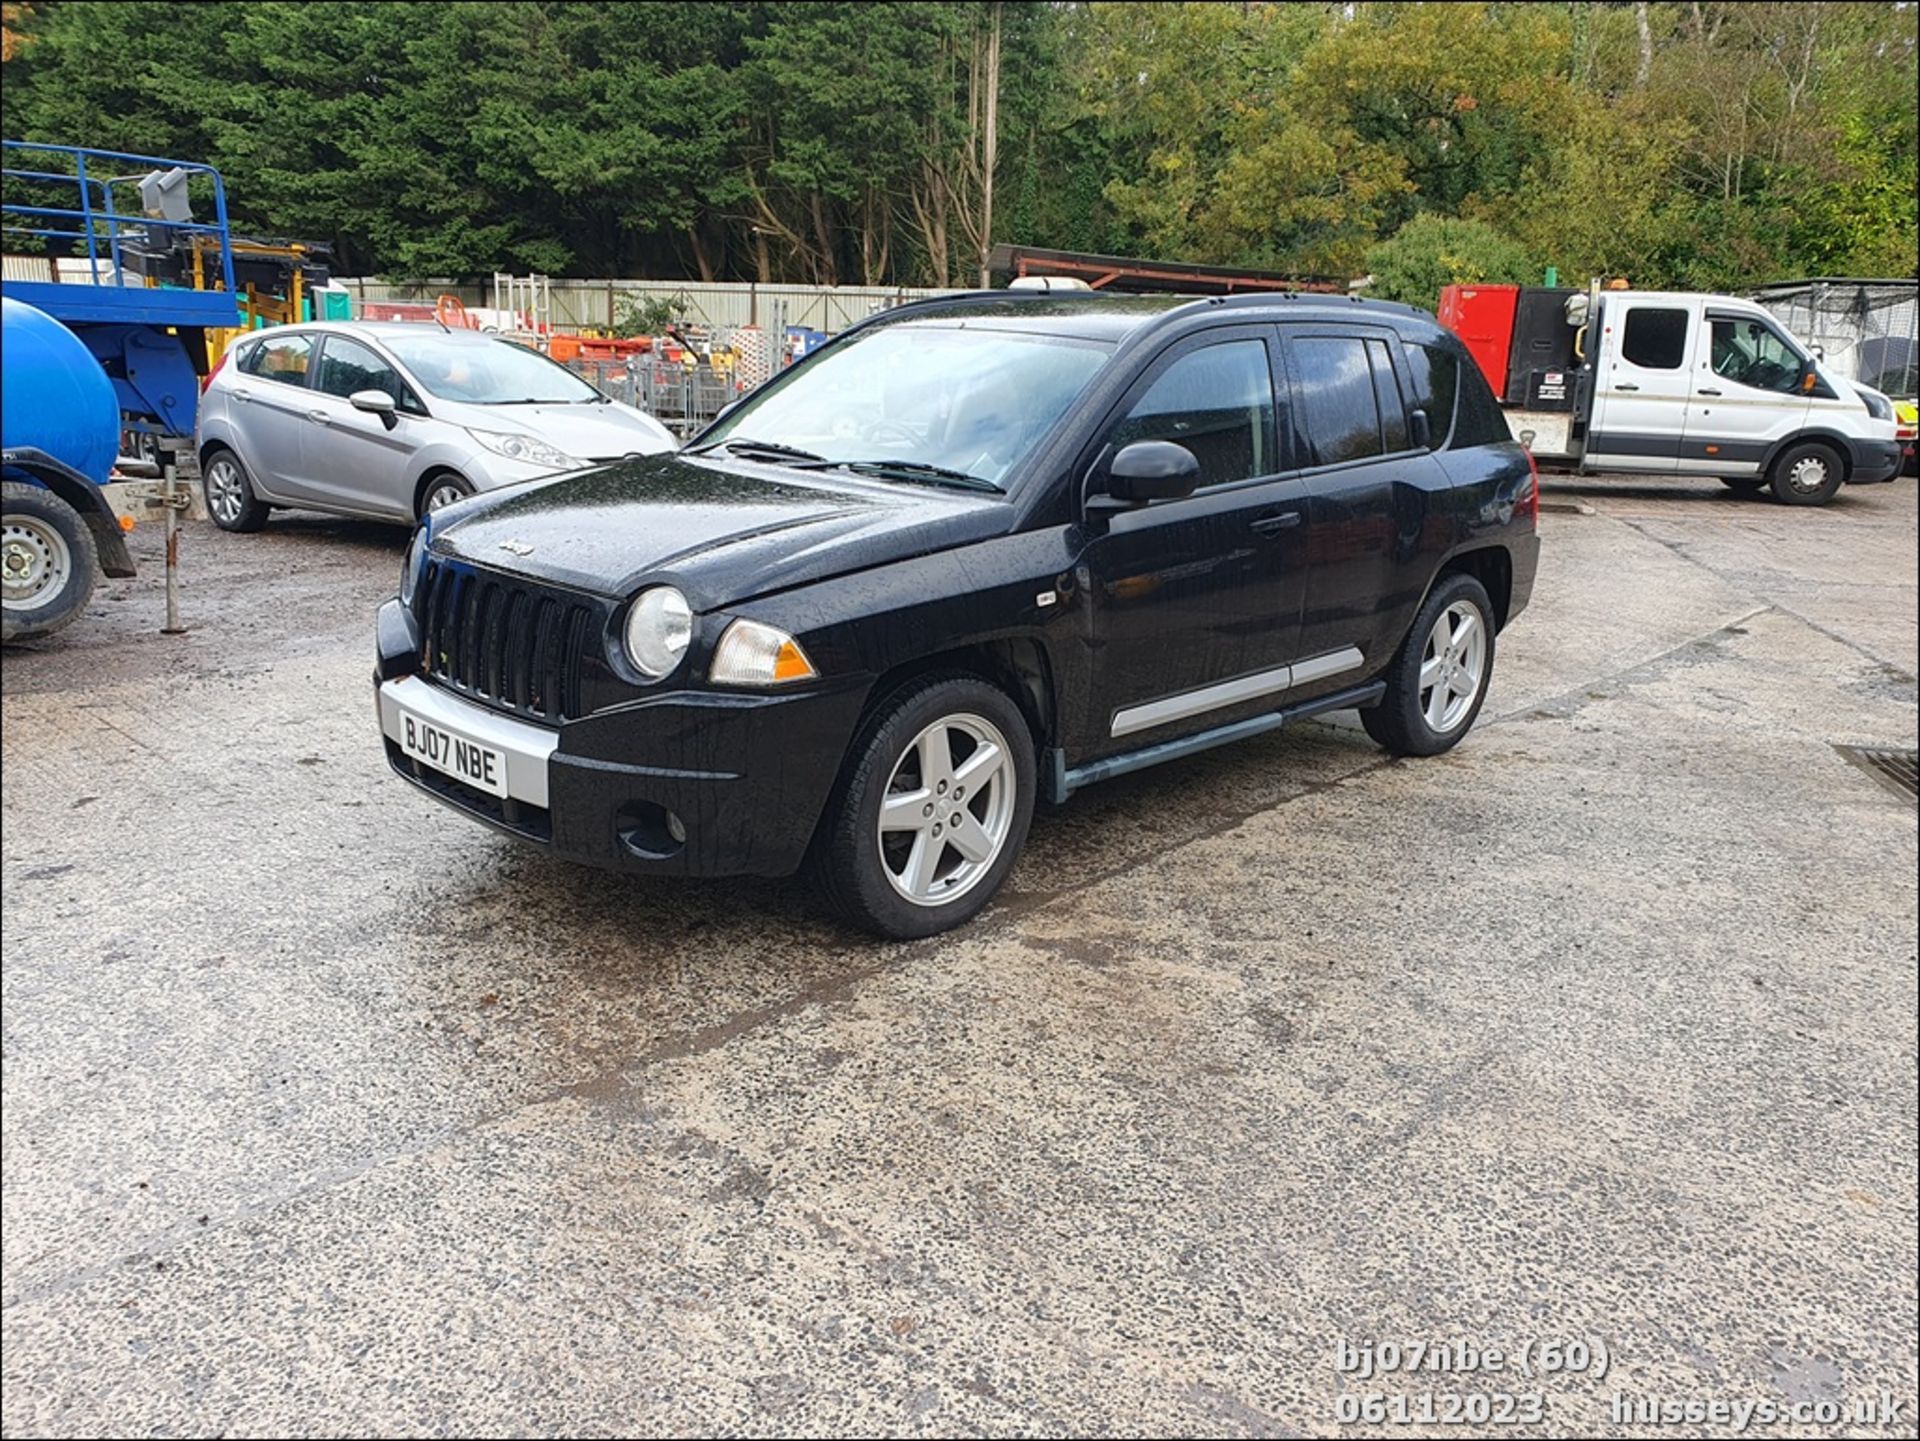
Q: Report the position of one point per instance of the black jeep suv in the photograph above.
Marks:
(974, 551)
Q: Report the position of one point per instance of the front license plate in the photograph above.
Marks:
(461, 757)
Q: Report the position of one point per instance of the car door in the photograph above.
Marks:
(1194, 603)
(1642, 385)
(1746, 395)
(268, 412)
(1372, 491)
(350, 457)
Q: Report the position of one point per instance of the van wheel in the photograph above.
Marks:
(934, 810)
(1806, 474)
(230, 498)
(48, 560)
(1438, 677)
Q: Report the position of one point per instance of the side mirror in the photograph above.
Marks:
(376, 402)
(1419, 428)
(1819, 352)
(1152, 470)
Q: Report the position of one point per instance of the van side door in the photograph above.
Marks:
(1747, 395)
(1642, 384)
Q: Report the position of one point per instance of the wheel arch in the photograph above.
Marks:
(431, 473)
(1819, 435)
(1492, 566)
(83, 498)
(1020, 665)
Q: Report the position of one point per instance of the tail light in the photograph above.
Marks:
(211, 373)
(1530, 504)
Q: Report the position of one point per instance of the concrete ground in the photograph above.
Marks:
(326, 1111)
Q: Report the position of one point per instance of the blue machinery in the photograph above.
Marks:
(159, 279)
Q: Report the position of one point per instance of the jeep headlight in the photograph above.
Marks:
(412, 567)
(527, 449)
(659, 629)
(759, 655)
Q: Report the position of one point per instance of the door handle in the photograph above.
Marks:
(319, 417)
(1626, 387)
(1274, 524)
(1704, 391)
(244, 395)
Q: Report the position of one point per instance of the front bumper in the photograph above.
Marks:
(1874, 460)
(683, 783)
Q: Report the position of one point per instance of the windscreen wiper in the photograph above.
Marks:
(917, 470)
(744, 446)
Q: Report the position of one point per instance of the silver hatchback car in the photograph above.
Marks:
(393, 420)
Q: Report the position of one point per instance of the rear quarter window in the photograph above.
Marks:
(1477, 418)
(1433, 372)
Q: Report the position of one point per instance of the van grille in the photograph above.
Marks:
(504, 643)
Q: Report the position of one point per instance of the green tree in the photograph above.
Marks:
(1430, 251)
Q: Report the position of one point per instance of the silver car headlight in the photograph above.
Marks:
(413, 566)
(659, 629)
(758, 655)
(527, 449)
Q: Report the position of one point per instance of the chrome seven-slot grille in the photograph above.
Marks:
(506, 644)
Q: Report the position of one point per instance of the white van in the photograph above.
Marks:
(1676, 383)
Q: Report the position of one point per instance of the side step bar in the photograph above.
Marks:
(1062, 781)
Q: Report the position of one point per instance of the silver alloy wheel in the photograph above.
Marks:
(35, 562)
(226, 489)
(443, 494)
(1453, 667)
(1809, 474)
(947, 809)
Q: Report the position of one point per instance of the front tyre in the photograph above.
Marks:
(1806, 474)
(48, 560)
(1438, 678)
(934, 810)
(443, 490)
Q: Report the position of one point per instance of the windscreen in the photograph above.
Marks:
(486, 372)
(968, 400)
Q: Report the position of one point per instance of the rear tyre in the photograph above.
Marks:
(230, 498)
(1745, 484)
(933, 811)
(1806, 474)
(48, 560)
(1438, 678)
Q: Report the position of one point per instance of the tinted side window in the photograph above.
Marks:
(1218, 403)
(1432, 373)
(1386, 392)
(283, 358)
(1478, 419)
(347, 366)
(1655, 339)
(1342, 419)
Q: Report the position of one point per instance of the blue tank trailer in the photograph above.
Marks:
(122, 349)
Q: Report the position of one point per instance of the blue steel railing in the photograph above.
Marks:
(104, 222)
